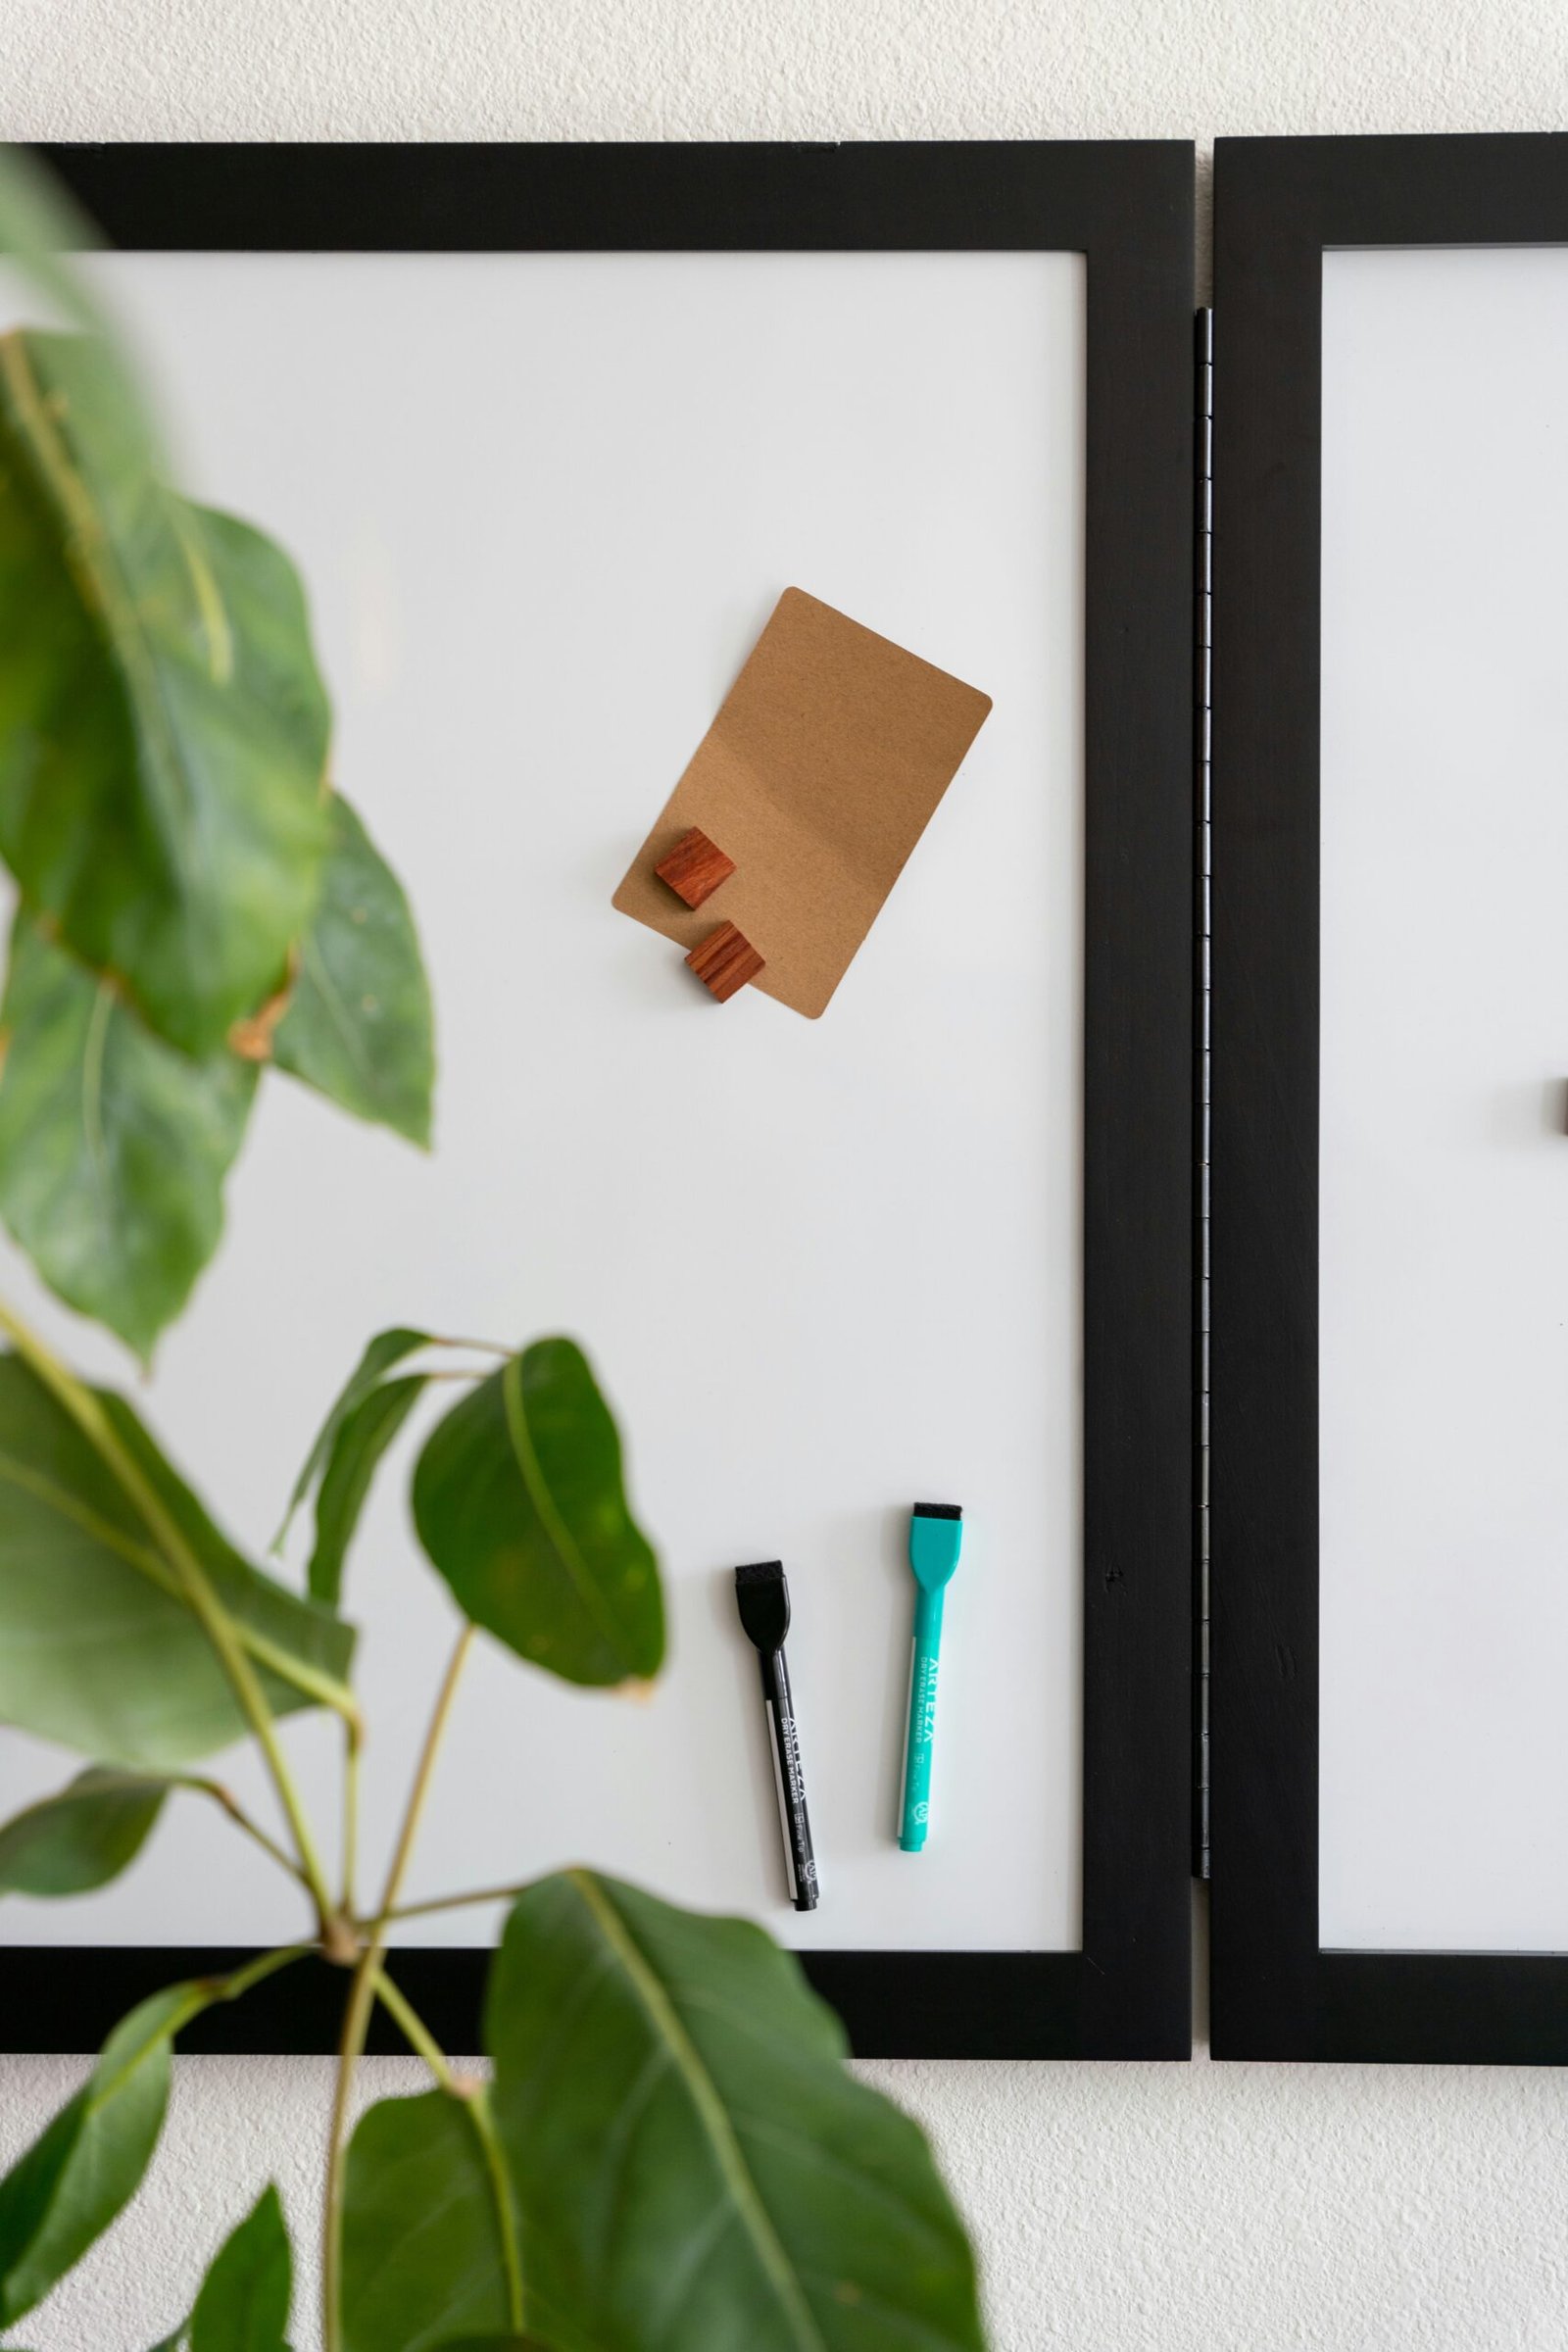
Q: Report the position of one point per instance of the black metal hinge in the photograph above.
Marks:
(1202, 712)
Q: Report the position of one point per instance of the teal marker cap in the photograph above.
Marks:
(936, 1535)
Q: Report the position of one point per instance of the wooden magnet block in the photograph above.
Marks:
(724, 961)
(694, 868)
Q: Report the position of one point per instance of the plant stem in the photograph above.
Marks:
(210, 1613)
(198, 1593)
(476, 2102)
(229, 1989)
(351, 2042)
(362, 1997)
(445, 1902)
(203, 1991)
(242, 1820)
(415, 2033)
(421, 1787)
(311, 1680)
(354, 1740)
(495, 2163)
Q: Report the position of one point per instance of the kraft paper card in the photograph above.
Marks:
(818, 776)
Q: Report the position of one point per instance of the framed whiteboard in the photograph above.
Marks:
(548, 431)
(1390, 1481)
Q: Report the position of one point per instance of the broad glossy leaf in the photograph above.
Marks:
(358, 1026)
(421, 2242)
(69, 2186)
(388, 1348)
(39, 224)
(163, 727)
(243, 2304)
(82, 1838)
(97, 1649)
(518, 1499)
(113, 1146)
(361, 1442)
(693, 2163)
(42, 227)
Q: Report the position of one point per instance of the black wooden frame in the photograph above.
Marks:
(1129, 208)
(1279, 203)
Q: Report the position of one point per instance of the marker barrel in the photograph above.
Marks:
(800, 1861)
(916, 1813)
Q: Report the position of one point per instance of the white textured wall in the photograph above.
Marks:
(774, 69)
(1117, 2209)
(1127, 2209)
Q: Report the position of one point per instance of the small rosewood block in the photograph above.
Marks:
(694, 868)
(724, 961)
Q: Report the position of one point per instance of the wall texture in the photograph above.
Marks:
(775, 68)
(1128, 2209)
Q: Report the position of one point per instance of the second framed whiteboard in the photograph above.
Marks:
(1390, 1040)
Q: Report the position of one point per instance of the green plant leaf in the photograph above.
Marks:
(359, 1025)
(39, 223)
(244, 2300)
(361, 1442)
(517, 1498)
(388, 1348)
(41, 226)
(74, 2180)
(163, 727)
(422, 2255)
(114, 1146)
(693, 2163)
(97, 1648)
(82, 1838)
(43, 229)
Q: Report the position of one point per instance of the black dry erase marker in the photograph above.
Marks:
(764, 1599)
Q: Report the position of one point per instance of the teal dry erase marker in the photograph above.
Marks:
(936, 1531)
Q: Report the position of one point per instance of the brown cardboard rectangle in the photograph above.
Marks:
(818, 776)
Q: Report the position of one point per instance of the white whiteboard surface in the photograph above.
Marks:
(1444, 1187)
(543, 506)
